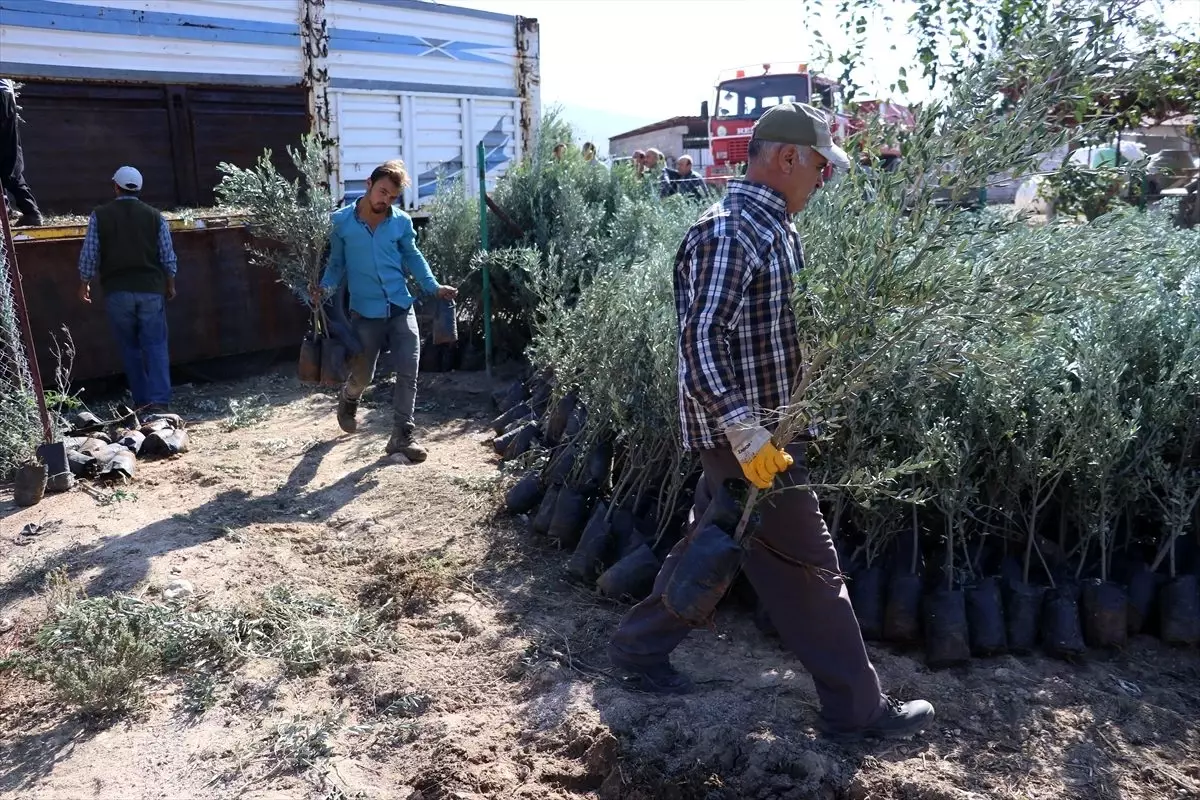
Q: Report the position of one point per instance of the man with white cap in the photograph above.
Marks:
(739, 356)
(128, 249)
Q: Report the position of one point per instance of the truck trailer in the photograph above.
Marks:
(176, 88)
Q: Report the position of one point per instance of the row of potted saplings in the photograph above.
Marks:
(619, 543)
(1001, 610)
(604, 503)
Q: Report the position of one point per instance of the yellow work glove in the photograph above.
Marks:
(761, 460)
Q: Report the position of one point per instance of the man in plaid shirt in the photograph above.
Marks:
(739, 355)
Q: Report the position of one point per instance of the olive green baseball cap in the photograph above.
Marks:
(800, 124)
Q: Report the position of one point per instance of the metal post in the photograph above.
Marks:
(23, 320)
(481, 157)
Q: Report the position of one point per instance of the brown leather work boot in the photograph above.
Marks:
(402, 442)
(346, 411)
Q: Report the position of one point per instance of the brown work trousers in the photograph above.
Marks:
(808, 605)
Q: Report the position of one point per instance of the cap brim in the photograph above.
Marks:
(835, 155)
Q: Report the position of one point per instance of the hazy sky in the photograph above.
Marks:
(619, 64)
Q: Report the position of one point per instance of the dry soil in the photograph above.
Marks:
(500, 678)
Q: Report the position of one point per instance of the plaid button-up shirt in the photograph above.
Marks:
(739, 349)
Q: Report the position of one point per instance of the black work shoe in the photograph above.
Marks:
(346, 411)
(30, 221)
(660, 678)
(898, 721)
(402, 442)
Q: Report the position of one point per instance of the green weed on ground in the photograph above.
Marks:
(103, 655)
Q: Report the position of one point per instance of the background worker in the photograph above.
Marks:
(687, 182)
(739, 354)
(128, 247)
(12, 159)
(373, 249)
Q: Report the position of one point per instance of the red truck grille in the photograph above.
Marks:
(730, 149)
(738, 149)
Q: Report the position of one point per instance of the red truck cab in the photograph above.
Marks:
(743, 95)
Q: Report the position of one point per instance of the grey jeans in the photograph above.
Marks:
(809, 605)
(399, 334)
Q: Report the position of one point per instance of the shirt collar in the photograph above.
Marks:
(393, 211)
(763, 195)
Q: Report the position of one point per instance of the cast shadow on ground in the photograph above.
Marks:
(35, 756)
(125, 558)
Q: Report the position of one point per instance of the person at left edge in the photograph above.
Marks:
(372, 247)
(128, 247)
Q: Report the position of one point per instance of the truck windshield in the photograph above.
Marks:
(748, 98)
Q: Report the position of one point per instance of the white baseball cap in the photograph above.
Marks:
(128, 178)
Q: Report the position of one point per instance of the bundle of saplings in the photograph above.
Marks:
(1009, 411)
(558, 222)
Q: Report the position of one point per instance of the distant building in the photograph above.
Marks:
(674, 137)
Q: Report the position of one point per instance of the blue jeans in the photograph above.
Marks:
(399, 334)
(139, 321)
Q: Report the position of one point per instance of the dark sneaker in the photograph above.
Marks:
(898, 721)
(30, 221)
(403, 443)
(346, 412)
(660, 678)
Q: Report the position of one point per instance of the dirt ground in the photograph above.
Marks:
(501, 679)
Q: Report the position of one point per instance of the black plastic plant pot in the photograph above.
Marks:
(172, 420)
(1105, 607)
(560, 465)
(598, 469)
(625, 532)
(509, 396)
(902, 613)
(545, 513)
(500, 443)
(560, 415)
(703, 575)
(725, 507)
(631, 578)
(576, 422)
(540, 398)
(132, 441)
(29, 485)
(594, 551)
(523, 439)
(1179, 607)
(309, 367)
(523, 496)
(985, 618)
(173, 441)
(1142, 591)
(570, 515)
(333, 362)
(947, 642)
(120, 467)
(54, 456)
(1023, 615)
(1062, 635)
(867, 587)
(519, 441)
(519, 411)
(82, 465)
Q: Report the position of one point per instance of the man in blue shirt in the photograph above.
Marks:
(373, 249)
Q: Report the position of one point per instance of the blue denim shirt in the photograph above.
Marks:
(374, 265)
